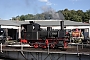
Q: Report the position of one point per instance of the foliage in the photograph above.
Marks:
(72, 15)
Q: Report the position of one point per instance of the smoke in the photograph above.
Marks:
(46, 9)
(55, 15)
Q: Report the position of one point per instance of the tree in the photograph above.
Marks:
(22, 17)
(65, 14)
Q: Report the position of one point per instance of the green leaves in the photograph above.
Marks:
(78, 15)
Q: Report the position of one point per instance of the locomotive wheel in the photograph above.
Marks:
(52, 46)
(35, 45)
(44, 47)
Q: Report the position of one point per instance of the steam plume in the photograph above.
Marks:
(48, 10)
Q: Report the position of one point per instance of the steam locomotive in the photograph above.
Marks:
(40, 38)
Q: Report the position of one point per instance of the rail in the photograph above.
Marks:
(76, 46)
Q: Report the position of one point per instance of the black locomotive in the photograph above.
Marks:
(38, 37)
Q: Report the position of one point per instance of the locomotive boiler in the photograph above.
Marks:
(39, 38)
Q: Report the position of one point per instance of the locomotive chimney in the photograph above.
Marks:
(62, 32)
(62, 25)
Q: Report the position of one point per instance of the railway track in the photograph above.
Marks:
(85, 49)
